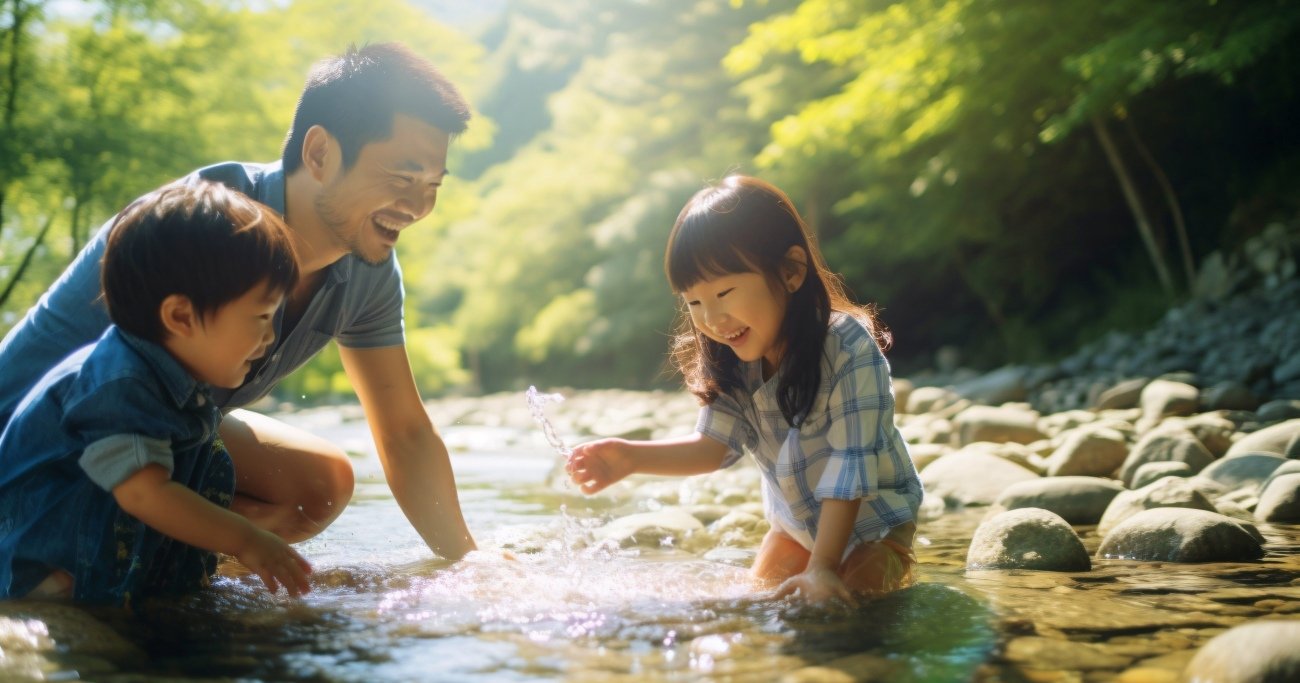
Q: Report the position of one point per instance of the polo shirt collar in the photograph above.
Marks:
(180, 385)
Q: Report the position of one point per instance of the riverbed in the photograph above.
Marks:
(551, 596)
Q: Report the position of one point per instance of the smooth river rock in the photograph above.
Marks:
(1182, 535)
(1078, 500)
(1265, 651)
(972, 477)
(1028, 538)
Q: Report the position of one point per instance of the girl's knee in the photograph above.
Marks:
(878, 567)
(779, 558)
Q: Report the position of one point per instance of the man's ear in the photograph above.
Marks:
(320, 152)
(179, 317)
(796, 268)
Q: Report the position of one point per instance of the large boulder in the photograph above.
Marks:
(1089, 452)
(1155, 471)
(997, 425)
(1267, 440)
(1247, 469)
(995, 388)
(1028, 538)
(1280, 500)
(1165, 444)
(1263, 651)
(972, 477)
(1162, 493)
(1163, 398)
(1078, 500)
(1182, 535)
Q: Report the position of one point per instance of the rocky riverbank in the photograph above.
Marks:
(1170, 447)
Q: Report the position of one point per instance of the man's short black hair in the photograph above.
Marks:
(201, 240)
(355, 96)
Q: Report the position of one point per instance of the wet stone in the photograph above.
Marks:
(1028, 538)
(1180, 535)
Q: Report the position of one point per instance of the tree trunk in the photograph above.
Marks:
(1171, 198)
(1134, 205)
(27, 261)
(75, 229)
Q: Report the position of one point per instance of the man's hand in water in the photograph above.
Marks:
(816, 585)
(597, 464)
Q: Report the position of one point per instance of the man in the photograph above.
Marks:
(363, 161)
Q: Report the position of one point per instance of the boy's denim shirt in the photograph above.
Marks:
(102, 414)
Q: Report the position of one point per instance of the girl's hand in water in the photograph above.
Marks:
(816, 585)
(597, 464)
(276, 562)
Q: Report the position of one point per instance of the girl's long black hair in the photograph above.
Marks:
(744, 225)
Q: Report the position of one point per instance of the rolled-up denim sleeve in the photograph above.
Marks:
(861, 404)
(723, 421)
(113, 459)
(127, 424)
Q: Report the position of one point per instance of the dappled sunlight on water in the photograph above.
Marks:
(548, 596)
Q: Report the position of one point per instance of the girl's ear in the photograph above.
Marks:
(320, 151)
(179, 318)
(795, 269)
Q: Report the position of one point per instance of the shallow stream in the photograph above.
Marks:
(567, 607)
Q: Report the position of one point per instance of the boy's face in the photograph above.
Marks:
(228, 341)
(392, 184)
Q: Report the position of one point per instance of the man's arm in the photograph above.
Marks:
(414, 457)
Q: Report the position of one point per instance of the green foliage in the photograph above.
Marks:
(942, 150)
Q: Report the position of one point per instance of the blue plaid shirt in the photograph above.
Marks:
(846, 448)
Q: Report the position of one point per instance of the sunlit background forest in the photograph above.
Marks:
(1010, 178)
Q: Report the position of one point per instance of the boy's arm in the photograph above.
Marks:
(415, 460)
(152, 497)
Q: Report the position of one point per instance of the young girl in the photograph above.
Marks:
(787, 367)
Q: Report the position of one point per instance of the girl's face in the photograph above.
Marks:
(742, 311)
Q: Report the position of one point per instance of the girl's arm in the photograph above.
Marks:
(597, 464)
(152, 497)
(820, 579)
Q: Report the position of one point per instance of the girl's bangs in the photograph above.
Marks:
(704, 248)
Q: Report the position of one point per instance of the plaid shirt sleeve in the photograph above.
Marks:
(724, 421)
(860, 407)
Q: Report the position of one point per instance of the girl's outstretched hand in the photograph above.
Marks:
(597, 464)
(816, 585)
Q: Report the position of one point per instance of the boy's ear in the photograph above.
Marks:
(320, 151)
(796, 268)
(179, 318)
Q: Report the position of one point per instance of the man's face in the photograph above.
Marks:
(392, 184)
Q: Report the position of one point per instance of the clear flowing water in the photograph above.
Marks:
(533, 605)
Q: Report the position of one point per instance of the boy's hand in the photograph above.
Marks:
(597, 464)
(816, 585)
(268, 556)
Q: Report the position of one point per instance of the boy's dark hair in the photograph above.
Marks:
(355, 96)
(741, 225)
(203, 241)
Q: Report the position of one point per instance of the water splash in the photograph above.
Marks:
(536, 405)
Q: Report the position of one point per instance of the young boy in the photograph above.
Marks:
(113, 483)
